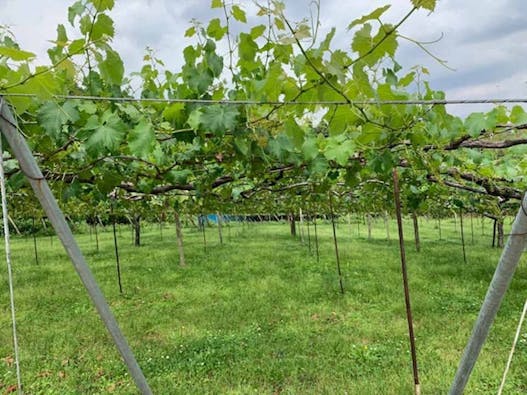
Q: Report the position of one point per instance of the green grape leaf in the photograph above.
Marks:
(476, 123)
(518, 115)
(76, 46)
(16, 54)
(103, 5)
(238, 14)
(339, 149)
(375, 14)
(310, 149)
(257, 31)
(389, 42)
(141, 139)
(174, 112)
(75, 10)
(319, 166)
(426, 4)
(219, 119)
(407, 79)
(199, 79)
(215, 63)
(247, 47)
(362, 40)
(112, 68)
(191, 31)
(294, 132)
(62, 37)
(104, 134)
(340, 120)
(178, 177)
(216, 30)
(102, 27)
(108, 182)
(52, 116)
(194, 119)
(242, 145)
(216, 4)
(369, 134)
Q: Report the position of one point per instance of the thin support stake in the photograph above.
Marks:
(316, 238)
(35, 249)
(513, 348)
(462, 235)
(308, 234)
(336, 243)
(510, 257)
(417, 385)
(29, 167)
(5, 217)
(116, 247)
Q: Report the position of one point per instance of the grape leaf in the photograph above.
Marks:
(16, 54)
(75, 10)
(362, 40)
(103, 5)
(475, 123)
(216, 4)
(294, 132)
(375, 14)
(218, 119)
(112, 68)
(238, 14)
(518, 115)
(52, 116)
(426, 4)
(104, 134)
(103, 26)
(216, 30)
(141, 139)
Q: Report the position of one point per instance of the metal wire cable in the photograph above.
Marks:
(5, 218)
(513, 348)
(278, 102)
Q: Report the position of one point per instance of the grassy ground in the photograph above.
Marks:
(259, 314)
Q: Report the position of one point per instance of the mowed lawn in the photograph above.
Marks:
(259, 314)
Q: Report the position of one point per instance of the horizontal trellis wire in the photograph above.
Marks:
(278, 102)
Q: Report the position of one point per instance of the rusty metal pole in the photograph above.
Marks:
(417, 385)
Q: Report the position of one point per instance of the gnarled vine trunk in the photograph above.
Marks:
(292, 224)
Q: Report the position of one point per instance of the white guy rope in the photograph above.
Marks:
(5, 218)
(516, 337)
(372, 102)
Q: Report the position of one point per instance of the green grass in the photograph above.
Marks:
(259, 315)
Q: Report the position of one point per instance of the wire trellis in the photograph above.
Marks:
(371, 102)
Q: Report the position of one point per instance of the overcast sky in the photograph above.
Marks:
(485, 41)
